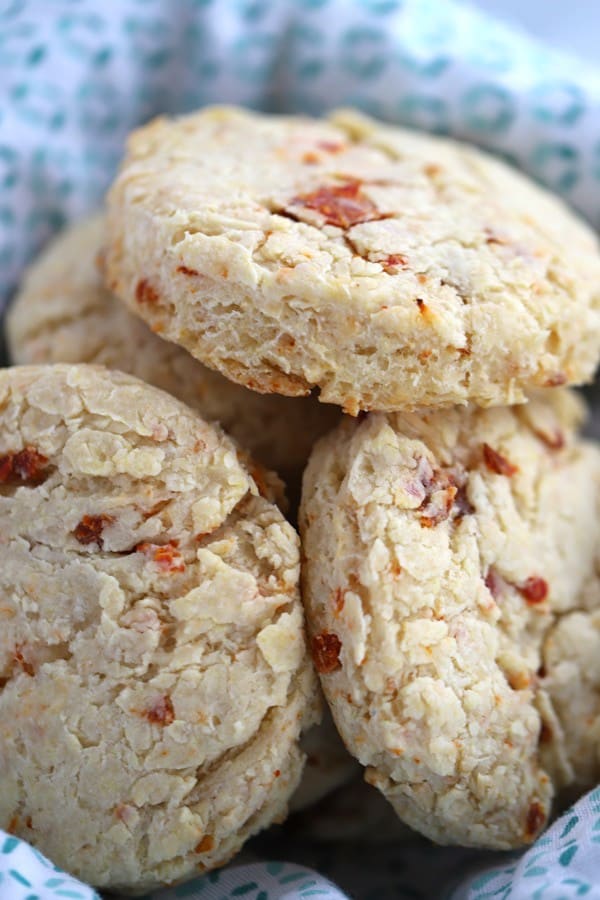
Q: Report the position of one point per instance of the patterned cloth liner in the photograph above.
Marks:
(77, 75)
(563, 864)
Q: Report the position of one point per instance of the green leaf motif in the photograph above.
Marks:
(253, 57)
(147, 41)
(567, 855)
(424, 68)
(40, 103)
(274, 868)
(488, 108)
(556, 165)
(304, 60)
(252, 10)
(8, 167)
(534, 871)
(569, 826)
(81, 35)
(558, 103)
(381, 7)
(424, 111)
(243, 889)
(363, 52)
(10, 844)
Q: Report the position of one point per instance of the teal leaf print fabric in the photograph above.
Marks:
(563, 864)
(259, 881)
(27, 875)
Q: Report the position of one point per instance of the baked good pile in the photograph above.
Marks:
(383, 325)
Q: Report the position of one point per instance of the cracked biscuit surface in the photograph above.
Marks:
(451, 568)
(154, 675)
(64, 314)
(389, 269)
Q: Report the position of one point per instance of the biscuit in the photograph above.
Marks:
(63, 314)
(442, 549)
(154, 673)
(570, 739)
(388, 269)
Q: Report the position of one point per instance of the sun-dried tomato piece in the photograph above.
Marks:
(341, 205)
(438, 506)
(89, 529)
(497, 463)
(22, 661)
(26, 465)
(493, 582)
(145, 293)
(166, 556)
(519, 681)
(206, 844)
(161, 712)
(445, 495)
(462, 505)
(393, 262)
(534, 589)
(554, 440)
(339, 596)
(326, 648)
(536, 819)
(310, 158)
(556, 380)
(331, 146)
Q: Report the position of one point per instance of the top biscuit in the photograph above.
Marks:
(391, 270)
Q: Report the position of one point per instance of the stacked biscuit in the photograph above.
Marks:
(156, 676)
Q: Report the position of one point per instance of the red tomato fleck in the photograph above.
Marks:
(330, 146)
(338, 600)
(90, 528)
(25, 465)
(555, 441)
(556, 380)
(534, 589)
(493, 583)
(497, 463)
(206, 844)
(536, 819)
(326, 649)
(166, 556)
(310, 158)
(341, 205)
(145, 293)
(20, 659)
(161, 712)
(391, 263)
